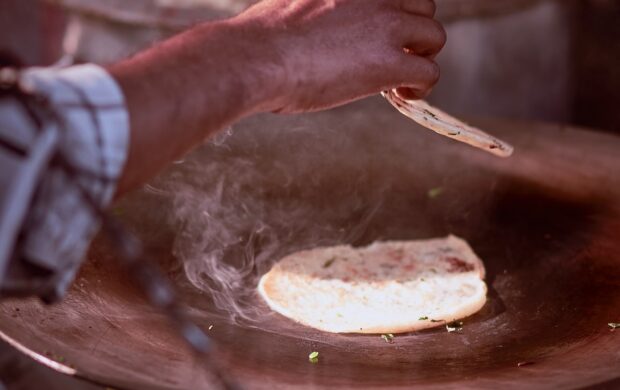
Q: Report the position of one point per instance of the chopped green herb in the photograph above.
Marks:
(53, 356)
(436, 320)
(388, 338)
(313, 357)
(425, 318)
(329, 262)
(435, 192)
(455, 326)
(614, 325)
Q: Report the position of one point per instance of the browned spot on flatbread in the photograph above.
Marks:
(458, 265)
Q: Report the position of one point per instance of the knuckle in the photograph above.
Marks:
(442, 35)
(434, 73)
(419, 7)
(400, 26)
(432, 6)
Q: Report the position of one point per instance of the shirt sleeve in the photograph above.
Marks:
(80, 111)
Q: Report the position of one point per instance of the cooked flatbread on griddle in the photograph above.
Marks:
(440, 122)
(387, 287)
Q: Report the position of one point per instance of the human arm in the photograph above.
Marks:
(279, 56)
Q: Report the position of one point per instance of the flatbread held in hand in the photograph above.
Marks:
(434, 119)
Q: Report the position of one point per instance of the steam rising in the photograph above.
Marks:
(279, 184)
(249, 199)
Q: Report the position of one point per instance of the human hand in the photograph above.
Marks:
(281, 56)
(330, 52)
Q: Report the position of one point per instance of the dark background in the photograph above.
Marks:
(596, 66)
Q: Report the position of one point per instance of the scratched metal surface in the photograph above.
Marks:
(546, 222)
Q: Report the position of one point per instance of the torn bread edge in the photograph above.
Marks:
(442, 123)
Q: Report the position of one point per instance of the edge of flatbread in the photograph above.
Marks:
(442, 123)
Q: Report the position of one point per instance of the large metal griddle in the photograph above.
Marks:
(546, 222)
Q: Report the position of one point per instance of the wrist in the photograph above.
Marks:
(243, 56)
(183, 90)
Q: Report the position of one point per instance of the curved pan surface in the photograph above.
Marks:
(546, 222)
